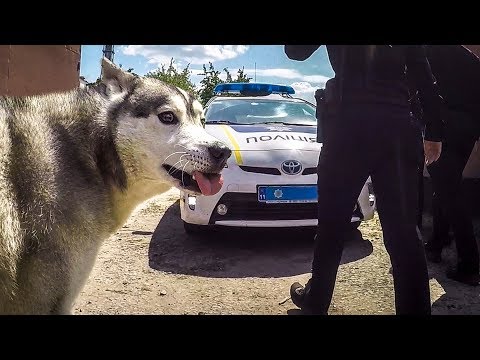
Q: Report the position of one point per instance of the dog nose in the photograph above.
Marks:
(219, 152)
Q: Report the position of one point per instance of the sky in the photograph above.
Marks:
(263, 63)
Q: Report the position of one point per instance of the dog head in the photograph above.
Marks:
(159, 132)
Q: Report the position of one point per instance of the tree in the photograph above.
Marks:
(208, 83)
(229, 76)
(130, 70)
(212, 79)
(241, 76)
(96, 82)
(174, 77)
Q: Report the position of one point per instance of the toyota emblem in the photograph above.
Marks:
(291, 167)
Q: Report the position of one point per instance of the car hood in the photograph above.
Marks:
(264, 144)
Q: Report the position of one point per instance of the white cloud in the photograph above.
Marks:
(291, 74)
(193, 54)
(317, 79)
(305, 90)
(195, 76)
(281, 73)
(303, 87)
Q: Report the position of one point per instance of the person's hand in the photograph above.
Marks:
(433, 149)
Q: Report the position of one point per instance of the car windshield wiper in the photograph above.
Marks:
(284, 123)
(222, 122)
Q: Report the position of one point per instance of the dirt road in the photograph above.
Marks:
(152, 267)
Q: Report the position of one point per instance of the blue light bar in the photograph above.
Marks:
(254, 88)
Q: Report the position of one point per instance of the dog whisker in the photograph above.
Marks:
(186, 155)
(174, 153)
(173, 168)
(183, 146)
(183, 172)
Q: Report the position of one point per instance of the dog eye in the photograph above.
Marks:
(167, 117)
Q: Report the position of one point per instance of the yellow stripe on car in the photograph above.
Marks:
(233, 141)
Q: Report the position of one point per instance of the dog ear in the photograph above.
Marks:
(115, 79)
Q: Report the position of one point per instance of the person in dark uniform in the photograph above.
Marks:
(460, 91)
(417, 114)
(369, 130)
(449, 201)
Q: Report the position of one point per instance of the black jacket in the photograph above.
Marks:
(385, 79)
(457, 71)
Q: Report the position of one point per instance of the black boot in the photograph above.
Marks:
(433, 253)
(302, 298)
(433, 256)
(467, 278)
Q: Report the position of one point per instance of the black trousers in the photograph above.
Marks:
(421, 198)
(381, 142)
(420, 184)
(449, 201)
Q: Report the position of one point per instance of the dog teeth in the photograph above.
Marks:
(193, 177)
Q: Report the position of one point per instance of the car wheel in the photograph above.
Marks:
(194, 228)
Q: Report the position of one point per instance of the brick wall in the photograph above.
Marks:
(37, 69)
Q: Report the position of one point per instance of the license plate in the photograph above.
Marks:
(287, 194)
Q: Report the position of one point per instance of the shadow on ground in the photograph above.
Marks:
(458, 298)
(238, 253)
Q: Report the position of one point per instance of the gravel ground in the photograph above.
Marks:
(151, 266)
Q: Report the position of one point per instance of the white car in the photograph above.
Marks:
(271, 178)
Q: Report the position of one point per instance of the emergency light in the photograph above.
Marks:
(253, 89)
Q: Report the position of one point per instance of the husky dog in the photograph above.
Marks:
(74, 165)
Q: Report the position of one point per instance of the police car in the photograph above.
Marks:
(271, 178)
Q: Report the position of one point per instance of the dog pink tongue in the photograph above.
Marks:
(208, 186)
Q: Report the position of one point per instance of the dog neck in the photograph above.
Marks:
(138, 191)
(140, 185)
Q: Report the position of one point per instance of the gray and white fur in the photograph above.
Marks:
(74, 165)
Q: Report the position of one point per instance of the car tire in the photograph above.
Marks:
(194, 229)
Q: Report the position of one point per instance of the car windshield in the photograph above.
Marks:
(261, 111)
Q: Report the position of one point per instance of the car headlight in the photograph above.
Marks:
(371, 195)
(222, 209)
(191, 201)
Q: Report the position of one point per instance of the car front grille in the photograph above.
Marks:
(245, 206)
(309, 171)
(260, 170)
(273, 171)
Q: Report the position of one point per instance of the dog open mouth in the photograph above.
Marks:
(204, 183)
